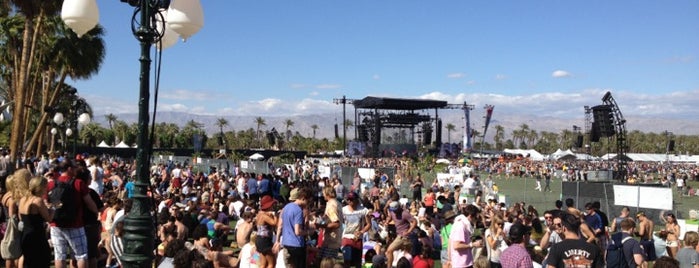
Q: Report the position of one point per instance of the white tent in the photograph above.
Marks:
(257, 156)
(443, 161)
(656, 157)
(121, 145)
(532, 154)
(103, 145)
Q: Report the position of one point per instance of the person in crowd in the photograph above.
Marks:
(688, 255)
(516, 254)
(495, 240)
(357, 223)
(331, 223)
(243, 229)
(249, 257)
(405, 224)
(594, 221)
(294, 228)
(645, 233)
(671, 233)
(460, 245)
(616, 223)
(573, 251)
(634, 254)
(266, 222)
(34, 215)
(70, 236)
(666, 262)
(16, 185)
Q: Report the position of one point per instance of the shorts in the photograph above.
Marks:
(69, 238)
(672, 243)
(327, 252)
(263, 244)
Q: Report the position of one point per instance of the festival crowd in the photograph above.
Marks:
(293, 217)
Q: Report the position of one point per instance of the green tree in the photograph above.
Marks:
(39, 56)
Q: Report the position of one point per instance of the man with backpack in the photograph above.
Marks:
(69, 198)
(623, 250)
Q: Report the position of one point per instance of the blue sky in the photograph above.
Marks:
(281, 58)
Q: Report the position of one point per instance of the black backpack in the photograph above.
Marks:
(63, 195)
(615, 252)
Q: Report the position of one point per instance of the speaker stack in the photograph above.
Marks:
(604, 121)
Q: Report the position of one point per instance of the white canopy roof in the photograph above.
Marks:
(657, 157)
(103, 145)
(122, 145)
(257, 156)
(533, 154)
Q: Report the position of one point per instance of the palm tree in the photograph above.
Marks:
(110, 119)
(222, 122)
(449, 128)
(499, 136)
(314, 127)
(288, 123)
(259, 121)
(59, 53)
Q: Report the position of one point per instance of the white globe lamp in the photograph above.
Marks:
(58, 118)
(185, 17)
(80, 15)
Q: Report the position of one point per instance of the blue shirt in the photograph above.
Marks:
(252, 186)
(129, 187)
(292, 214)
(263, 187)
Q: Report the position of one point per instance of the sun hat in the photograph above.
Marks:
(267, 202)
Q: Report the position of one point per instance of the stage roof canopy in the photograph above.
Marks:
(398, 104)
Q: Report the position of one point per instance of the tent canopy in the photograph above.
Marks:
(257, 156)
(122, 145)
(103, 145)
(532, 154)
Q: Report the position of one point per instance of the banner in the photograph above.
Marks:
(488, 116)
(468, 144)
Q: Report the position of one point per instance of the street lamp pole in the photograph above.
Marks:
(185, 17)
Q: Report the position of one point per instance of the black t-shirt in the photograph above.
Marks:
(89, 217)
(631, 247)
(575, 253)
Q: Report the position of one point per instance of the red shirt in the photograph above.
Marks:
(419, 262)
(82, 190)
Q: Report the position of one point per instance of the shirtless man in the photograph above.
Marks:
(645, 232)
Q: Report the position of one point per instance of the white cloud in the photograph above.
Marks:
(313, 93)
(328, 86)
(182, 94)
(471, 82)
(500, 77)
(456, 75)
(560, 74)
(376, 77)
(174, 107)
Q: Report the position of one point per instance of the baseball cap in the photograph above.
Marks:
(393, 205)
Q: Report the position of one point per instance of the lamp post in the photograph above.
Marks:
(185, 17)
(58, 120)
